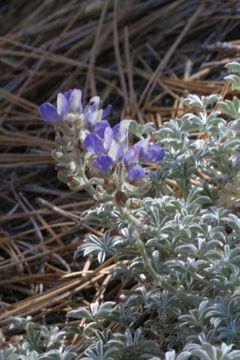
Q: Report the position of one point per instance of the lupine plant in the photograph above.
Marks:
(169, 201)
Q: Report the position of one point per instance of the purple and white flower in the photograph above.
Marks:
(105, 146)
(109, 146)
(141, 152)
(70, 103)
(149, 153)
(131, 160)
(92, 115)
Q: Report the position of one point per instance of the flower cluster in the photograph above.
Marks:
(110, 146)
(104, 149)
(70, 108)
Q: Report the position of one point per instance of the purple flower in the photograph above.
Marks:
(93, 144)
(135, 172)
(103, 163)
(116, 151)
(154, 154)
(103, 142)
(70, 102)
(131, 159)
(149, 153)
(49, 113)
(131, 156)
(92, 115)
(104, 132)
(100, 140)
(120, 133)
(74, 98)
(106, 146)
(109, 146)
(141, 152)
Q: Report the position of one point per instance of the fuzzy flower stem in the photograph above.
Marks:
(88, 186)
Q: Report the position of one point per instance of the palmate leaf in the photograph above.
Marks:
(233, 67)
(201, 102)
(138, 130)
(102, 214)
(194, 100)
(224, 316)
(98, 353)
(173, 134)
(67, 354)
(9, 354)
(234, 80)
(130, 346)
(30, 355)
(207, 351)
(231, 107)
(96, 312)
(100, 247)
(80, 313)
(211, 99)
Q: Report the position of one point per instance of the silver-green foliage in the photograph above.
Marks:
(192, 242)
(38, 343)
(180, 242)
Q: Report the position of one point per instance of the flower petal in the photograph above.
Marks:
(93, 144)
(67, 94)
(141, 145)
(106, 112)
(75, 101)
(131, 156)
(154, 154)
(135, 172)
(49, 113)
(120, 130)
(90, 119)
(108, 137)
(104, 163)
(94, 102)
(100, 127)
(120, 133)
(62, 105)
(116, 151)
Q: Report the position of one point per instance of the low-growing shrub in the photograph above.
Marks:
(169, 201)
